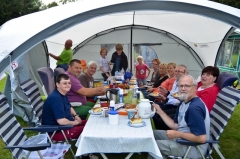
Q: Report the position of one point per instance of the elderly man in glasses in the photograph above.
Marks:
(191, 122)
(169, 103)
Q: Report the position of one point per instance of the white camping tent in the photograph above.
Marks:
(188, 32)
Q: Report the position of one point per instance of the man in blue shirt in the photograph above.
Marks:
(58, 111)
(191, 122)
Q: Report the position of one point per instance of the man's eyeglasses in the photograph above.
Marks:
(65, 83)
(178, 71)
(154, 64)
(185, 86)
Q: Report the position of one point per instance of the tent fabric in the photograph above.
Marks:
(19, 35)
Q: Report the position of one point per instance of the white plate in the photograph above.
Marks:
(137, 125)
(94, 113)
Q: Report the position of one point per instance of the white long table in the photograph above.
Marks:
(100, 137)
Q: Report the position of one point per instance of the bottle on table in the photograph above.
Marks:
(121, 97)
(112, 105)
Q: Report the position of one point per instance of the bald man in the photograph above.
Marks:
(65, 57)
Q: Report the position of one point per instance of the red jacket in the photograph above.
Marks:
(208, 95)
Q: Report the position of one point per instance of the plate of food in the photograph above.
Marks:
(155, 94)
(130, 106)
(175, 94)
(96, 111)
(136, 122)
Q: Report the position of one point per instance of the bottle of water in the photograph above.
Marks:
(122, 72)
(121, 97)
(116, 73)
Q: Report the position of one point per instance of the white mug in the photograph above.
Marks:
(104, 112)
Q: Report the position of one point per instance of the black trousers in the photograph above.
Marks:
(170, 110)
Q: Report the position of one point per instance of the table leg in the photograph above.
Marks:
(104, 156)
(129, 155)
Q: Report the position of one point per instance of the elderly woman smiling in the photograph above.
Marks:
(207, 88)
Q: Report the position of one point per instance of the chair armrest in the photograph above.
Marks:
(65, 127)
(34, 147)
(75, 104)
(59, 127)
(189, 143)
(43, 128)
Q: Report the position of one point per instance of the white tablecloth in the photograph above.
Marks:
(100, 137)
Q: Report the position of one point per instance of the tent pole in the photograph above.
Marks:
(131, 51)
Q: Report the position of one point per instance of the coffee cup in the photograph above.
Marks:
(104, 112)
(131, 113)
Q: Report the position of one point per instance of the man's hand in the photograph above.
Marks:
(101, 90)
(78, 119)
(157, 107)
(172, 134)
(161, 97)
(163, 90)
(150, 89)
(76, 122)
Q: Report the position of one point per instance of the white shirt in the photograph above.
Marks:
(104, 63)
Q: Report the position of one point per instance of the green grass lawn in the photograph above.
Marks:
(229, 141)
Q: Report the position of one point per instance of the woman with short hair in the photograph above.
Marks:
(207, 88)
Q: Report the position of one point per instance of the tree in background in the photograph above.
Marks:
(50, 5)
(10, 9)
(233, 3)
(65, 1)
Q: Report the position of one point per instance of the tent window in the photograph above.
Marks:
(146, 52)
(228, 59)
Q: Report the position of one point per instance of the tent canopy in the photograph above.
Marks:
(200, 25)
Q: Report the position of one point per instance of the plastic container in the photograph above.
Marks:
(38, 139)
(113, 118)
(121, 98)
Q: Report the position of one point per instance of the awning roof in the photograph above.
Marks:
(21, 34)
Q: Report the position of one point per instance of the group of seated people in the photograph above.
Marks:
(170, 111)
(165, 84)
(183, 116)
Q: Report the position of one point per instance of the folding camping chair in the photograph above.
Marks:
(47, 78)
(227, 99)
(14, 137)
(31, 90)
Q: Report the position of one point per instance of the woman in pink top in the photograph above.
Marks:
(207, 89)
(169, 82)
(141, 72)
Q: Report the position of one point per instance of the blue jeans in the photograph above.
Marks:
(64, 66)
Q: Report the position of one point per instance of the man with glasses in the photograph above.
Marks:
(191, 122)
(58, 111)
(65, 57)
(169, 103)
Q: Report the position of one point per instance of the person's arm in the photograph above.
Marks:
(148, 71)
(125, 66)
(75, 115)
(92, 91)
(54, 56)
(65, 121)
(187, 136)
(167, 120)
